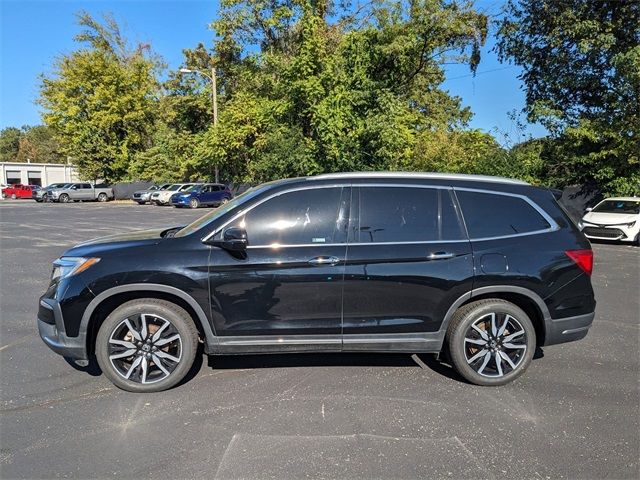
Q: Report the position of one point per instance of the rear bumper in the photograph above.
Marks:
(568, 329)
(54, 335)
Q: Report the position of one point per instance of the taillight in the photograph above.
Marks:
(583, 258)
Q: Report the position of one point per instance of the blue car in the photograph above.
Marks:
(207, 194)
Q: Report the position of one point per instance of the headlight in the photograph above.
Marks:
(580, 224)
(67, 266)
(629, 225)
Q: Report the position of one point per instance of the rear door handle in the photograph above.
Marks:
(324, 261)
(440, 255)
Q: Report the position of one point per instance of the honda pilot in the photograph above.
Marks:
(480, 269)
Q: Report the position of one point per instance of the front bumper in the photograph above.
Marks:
(144, 197)
(54, 335)
(568, 329)
(180, 201)
(620, 233)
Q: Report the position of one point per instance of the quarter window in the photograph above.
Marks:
(493, 215)
(302, 217)
(405, 214)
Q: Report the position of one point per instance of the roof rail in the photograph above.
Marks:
(442, 176)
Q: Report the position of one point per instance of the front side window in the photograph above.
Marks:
(312, 216)
(404, 214)
(493, 215)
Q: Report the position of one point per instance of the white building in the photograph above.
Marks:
(42, 174)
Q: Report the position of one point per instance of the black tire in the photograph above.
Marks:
(462, 341)
(64, 198)
(102, 197)
(156, 313)
(39, 201)
(194, 203)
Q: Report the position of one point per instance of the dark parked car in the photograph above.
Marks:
(481, 268)
(205, 194)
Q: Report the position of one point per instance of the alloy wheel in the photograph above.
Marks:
(145, 348)
(495, 345)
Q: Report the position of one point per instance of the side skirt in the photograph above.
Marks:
(395, 342)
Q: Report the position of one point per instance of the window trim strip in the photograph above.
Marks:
(553, 225)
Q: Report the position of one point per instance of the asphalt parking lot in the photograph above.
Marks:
(574, 414)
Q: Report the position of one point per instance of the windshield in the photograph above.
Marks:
(218, 212)
(174, 187)
(165, 187)
(619, 206)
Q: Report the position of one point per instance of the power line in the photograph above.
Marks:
(481, 73)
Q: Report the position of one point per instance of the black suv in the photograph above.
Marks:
(482, 269)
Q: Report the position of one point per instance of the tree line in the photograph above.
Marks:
(314, 86)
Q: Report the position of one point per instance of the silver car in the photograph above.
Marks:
(42, 194)
(144, 196)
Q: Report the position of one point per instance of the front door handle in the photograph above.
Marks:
(440, 255)
(324, 261)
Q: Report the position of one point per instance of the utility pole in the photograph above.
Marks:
(214, 85)
(214, 98)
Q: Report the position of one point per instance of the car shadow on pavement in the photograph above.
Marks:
(337, 359)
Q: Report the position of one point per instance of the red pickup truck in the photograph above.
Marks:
(18, 191)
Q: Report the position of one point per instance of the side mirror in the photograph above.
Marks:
(234, 239)
(588, 209)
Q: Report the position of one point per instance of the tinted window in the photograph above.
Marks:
(297, 218)
(86, 185)
(405, 214)
(492, 215)
(618, 206)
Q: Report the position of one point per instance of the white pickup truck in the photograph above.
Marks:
(80, 192)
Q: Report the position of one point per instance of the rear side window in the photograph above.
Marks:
(405, 214)
(297, 218)
(493, 215)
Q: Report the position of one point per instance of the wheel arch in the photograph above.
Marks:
(106, 302)
(528, 300)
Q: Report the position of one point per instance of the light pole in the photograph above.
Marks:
(214, 97)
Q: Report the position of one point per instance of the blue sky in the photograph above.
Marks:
(33, 33)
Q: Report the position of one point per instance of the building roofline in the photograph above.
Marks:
(425, 175)
(34, 164)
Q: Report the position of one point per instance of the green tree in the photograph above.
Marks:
(581, 62)
(101, 100)
(9, 144)
(34, 144)
(38, 144)
(310, 87)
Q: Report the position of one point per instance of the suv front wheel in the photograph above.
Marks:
(146, 345)
(491, 342)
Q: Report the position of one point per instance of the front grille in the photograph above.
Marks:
(603, 232)
(137, 195)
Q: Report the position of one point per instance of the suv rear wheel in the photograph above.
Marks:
(491, 342)
(146, 345)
